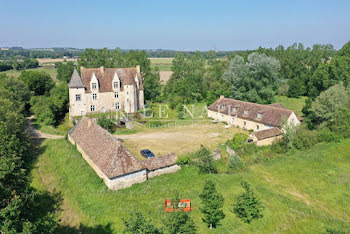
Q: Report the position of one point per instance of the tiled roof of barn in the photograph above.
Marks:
(105, 77)
(75, 81)
(270, 115)
(106, 152)
(160, 162)
(267, 133)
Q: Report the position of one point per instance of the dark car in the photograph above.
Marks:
(147, 153)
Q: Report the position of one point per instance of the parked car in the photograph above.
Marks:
(147, 153)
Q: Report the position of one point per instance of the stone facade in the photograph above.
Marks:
(99, 90)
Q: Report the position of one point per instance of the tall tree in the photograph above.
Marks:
(40, 83)
(212, 203)
(64, 71)
(254, 81)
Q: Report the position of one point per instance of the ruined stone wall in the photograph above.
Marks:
(165, 170)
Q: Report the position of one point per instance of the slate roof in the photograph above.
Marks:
(159, 162)
(270, 115)
(75, 81)
(109, 154)
(105, 77)
(268, 133)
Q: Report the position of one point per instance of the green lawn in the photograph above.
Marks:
(50, 69)
(303, 192)
(164, 64)
(295, 104)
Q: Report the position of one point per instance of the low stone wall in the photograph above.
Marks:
(164, 170)
(127, 180)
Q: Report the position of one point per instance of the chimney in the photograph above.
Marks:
(222, 96)
(138, 68)
(89, 122)
(102, 69)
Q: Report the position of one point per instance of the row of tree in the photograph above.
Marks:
(22, 208)
(18, 64)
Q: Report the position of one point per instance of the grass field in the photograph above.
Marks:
(50, 69)
(164, 64)
(303, 192)
(295, 104)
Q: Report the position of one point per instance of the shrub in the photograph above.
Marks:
(205, 163)
(234, 163)
(237, 141)
(247, 206)
(184, 161)
(326, 135)
(106, 123)
(304, 139)
(137, 223)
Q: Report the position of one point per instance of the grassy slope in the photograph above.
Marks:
(295, 104)
(304, 192)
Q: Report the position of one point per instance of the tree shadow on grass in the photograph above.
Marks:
(103, 229)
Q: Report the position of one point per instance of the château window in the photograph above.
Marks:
(77, 97)
(245, 112)
(115, 85)
(94, 96)
(117, 106)
(116, 94)
(258, 115)
(244, 124)
(257, 127)
(92, 108)
(94, 86)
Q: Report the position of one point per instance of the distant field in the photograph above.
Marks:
(50, 69)
(50, 60)
(164, 64)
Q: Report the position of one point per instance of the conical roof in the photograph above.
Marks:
(75, 81)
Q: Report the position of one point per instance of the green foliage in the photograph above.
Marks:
(137, 223)
(64, 71)
(237, 141)
(183, 161)
(247, 206)
(40, 83)
(179, 222)
(254, 81)
(205, 163)
(106, 123)
(212, 203)
(234, 164)
(326, 135)
(304, 139)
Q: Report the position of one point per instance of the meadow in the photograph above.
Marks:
(303, 191)
(164, 64)
(48, 68)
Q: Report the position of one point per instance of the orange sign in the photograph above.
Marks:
(184, 204)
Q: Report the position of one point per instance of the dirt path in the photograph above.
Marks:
(38, 134)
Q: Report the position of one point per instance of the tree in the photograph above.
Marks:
(137, 223)
(212, 202)
(151, 85)
(206, 163)
(106, 123)
(254, 81)
(38, 82)
(247, 206)
(64, 71)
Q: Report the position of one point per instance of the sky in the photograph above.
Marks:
(177, 25)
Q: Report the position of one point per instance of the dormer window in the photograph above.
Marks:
(94, 86)
(115, 85)
(245, 112)
(234, 109)
(259, 115)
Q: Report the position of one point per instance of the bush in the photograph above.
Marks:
(238, 140)
(304, 139)
(137, 223)
(234, 164)
(106, 123)
(326, 135)
(206, 163)
(184, 161)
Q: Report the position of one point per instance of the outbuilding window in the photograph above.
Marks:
(258, 115)
(245, 112)
(244, 124)
(257, 127)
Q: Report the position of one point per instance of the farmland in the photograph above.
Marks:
(48, 68)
